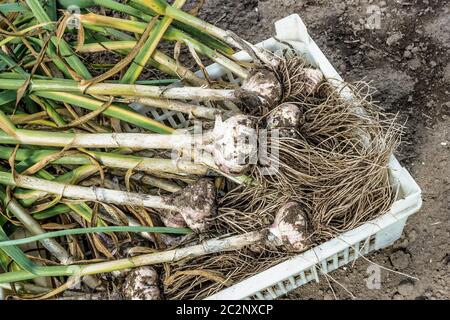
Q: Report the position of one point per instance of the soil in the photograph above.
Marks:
(407, 59)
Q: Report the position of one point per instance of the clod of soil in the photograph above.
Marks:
(406, 288)
(400, 259)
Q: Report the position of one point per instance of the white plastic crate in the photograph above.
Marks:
(335, 253)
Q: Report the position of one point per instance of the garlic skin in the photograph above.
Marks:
(290, 228)
(266, 85)
(141, 284)
(234, 144)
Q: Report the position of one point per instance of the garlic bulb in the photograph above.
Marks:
(289, 228)
(266, 85)
(141, 284)
(287, 115)
(197, 202)
(312, 79)
(234, 144)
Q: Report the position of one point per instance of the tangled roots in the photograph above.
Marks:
(335, 168)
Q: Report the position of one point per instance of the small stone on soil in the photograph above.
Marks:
(415, 64)
(394, 38)
(412, 235)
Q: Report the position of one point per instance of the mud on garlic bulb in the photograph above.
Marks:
(141, 284)
(172, 219)
(265, 84)
(290, 228)
(286, 115)
(287, 118)
(198, 203)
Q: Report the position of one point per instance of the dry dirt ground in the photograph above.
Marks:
(407, 59)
